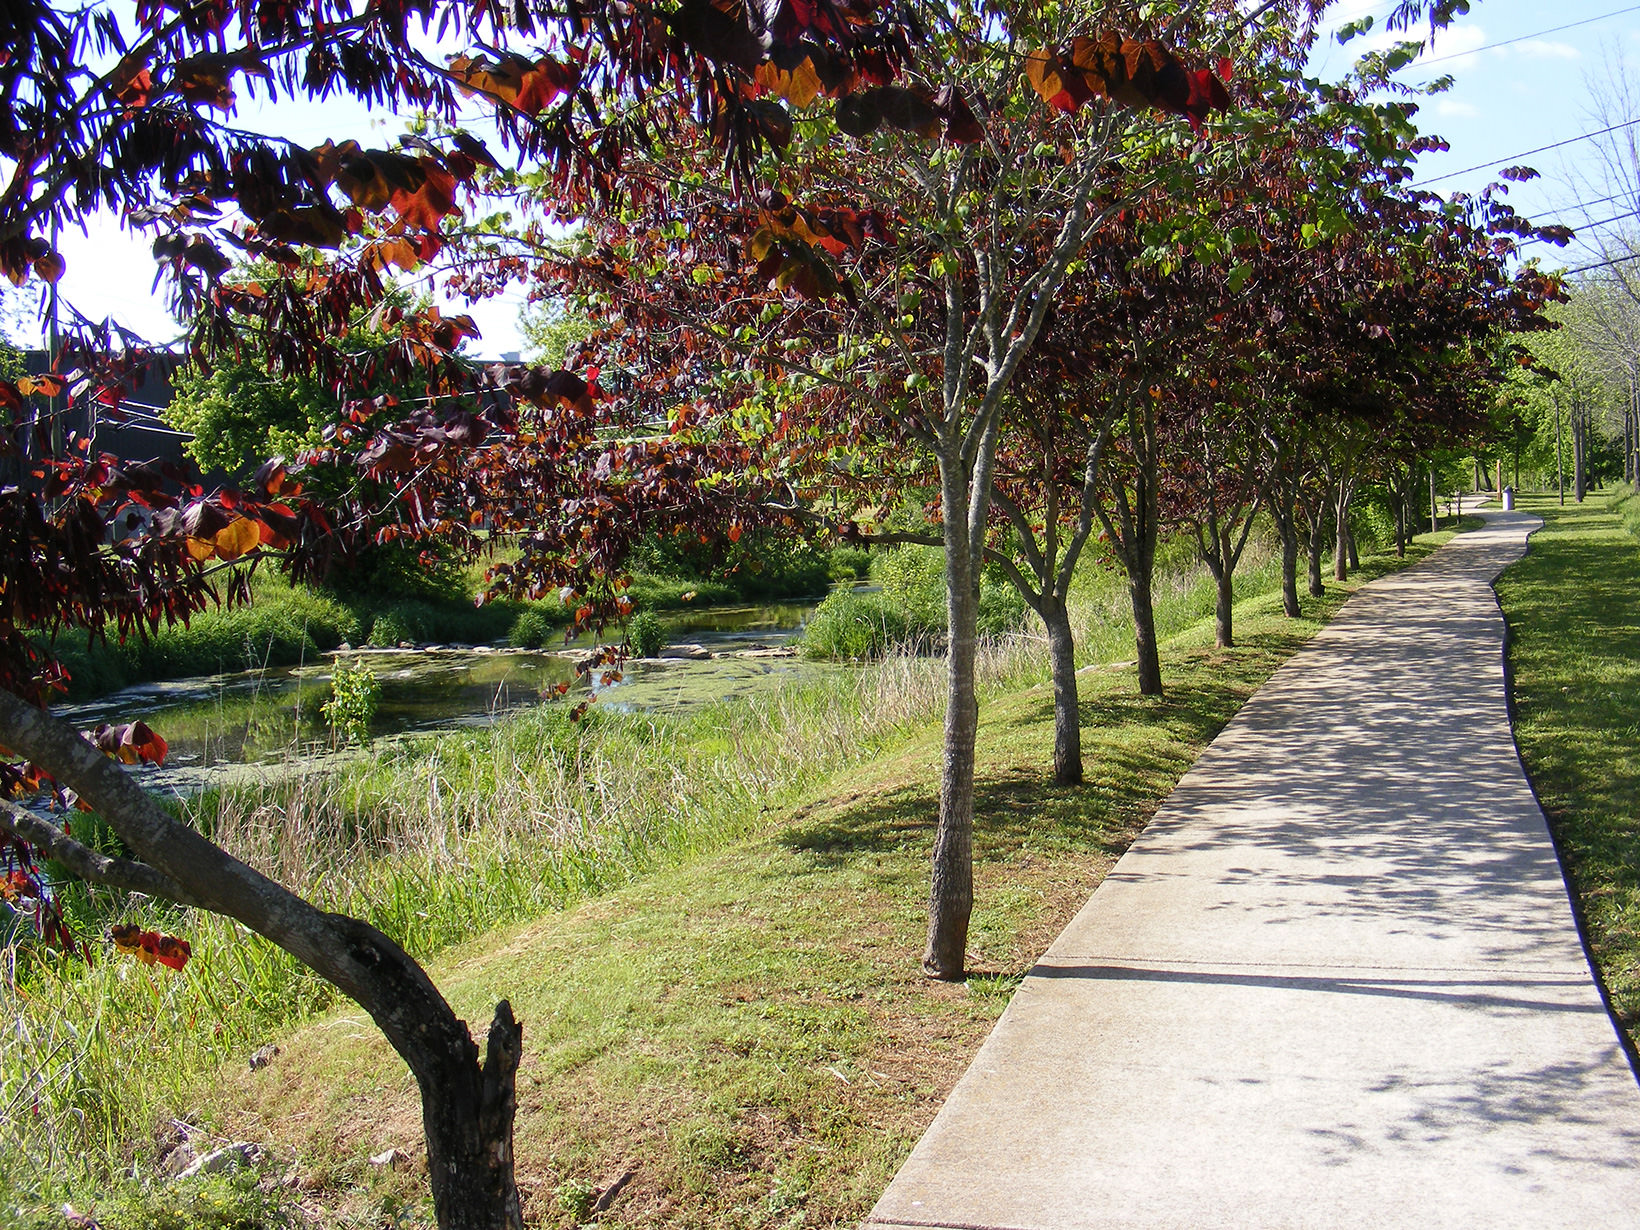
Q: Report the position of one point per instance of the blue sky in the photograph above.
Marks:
(1533, 91)
(1530, 92)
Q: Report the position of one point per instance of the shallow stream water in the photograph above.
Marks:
(218, 724)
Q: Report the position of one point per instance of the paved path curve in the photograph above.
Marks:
(1335, 983)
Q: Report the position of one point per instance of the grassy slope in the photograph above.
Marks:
(747, 1033)
(1574, 625)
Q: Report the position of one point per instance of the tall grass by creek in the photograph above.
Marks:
(435, 841)
(439, 839)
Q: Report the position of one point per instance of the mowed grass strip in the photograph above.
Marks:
(744, 1040)
(1574, 648)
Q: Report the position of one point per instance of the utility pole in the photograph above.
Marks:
(1560, 466)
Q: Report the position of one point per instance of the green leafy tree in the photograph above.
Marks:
(239, 414)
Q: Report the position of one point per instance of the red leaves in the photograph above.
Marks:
(50, 266)
(45, 386)
(208, 78)
(529, 86)
(131, 81)
(150, 947)
(1128, 72)
(720, 33)
(420, 190)
(426, 207)
(910, 110)
(273, 478)
(21, 254)
(12, 392)
(129, 743)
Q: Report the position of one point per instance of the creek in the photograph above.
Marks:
(227, 727)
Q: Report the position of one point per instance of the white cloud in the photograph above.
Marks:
(1538, 49)
(1455, 46)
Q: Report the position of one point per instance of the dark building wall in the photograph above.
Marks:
(135, 433)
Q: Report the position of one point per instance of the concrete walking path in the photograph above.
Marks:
(1335, 983)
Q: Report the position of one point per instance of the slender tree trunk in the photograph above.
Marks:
(1341, 532)
(951, 889)
(1355, 552)
(1580, 459)
(1434, 502)
(1313, 549)
(1067, 717)
(1401, 491)
(1289, 568)
(1144, 633)
(1224, 609)
(1628, 446)
(1140, 583)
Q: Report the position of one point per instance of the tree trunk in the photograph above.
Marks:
(1580, 460)
(1067, 717)
(1314, 561)
(1144, 634)
(1289, 569)
(1401, 493)
(1341, 532)
(1223, 609)
(468, 1124)
(467, 1109)
(951, 889)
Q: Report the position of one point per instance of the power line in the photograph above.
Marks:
(1562, 210)
(1481, 166)
(1589, 226)
(1616, 260)
(1521, 38)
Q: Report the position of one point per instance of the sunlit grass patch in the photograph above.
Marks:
(1574, 649)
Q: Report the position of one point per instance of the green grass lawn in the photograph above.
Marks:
(738, 1025)
(1573, 610)
(746, 1034)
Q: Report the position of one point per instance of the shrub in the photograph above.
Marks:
(354, 691)
(913, 580)
(848, 564)
(855, 625)
(1001, 608)
(283, 625)
(652, 593)
(403, 621)
(762, 565)
(645, 634)
(576, 1198)
(531, 629)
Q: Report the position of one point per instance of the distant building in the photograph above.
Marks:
(127, 426)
